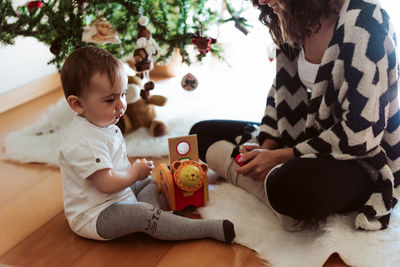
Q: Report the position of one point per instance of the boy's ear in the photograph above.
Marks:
(75, 104)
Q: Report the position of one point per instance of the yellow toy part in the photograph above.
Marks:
(189, 175)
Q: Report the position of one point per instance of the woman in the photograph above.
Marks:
(329, 141)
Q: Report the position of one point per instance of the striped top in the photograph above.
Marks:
(352, 111)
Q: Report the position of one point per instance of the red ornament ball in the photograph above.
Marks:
(34, 5)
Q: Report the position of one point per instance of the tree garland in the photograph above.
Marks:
(60, 24)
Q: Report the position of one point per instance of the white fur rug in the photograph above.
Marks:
(257, 228)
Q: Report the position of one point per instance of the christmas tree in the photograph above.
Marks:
(174, 24)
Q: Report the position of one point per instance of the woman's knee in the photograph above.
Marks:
(312, 188)
(198, 127)
(276, 190)
(283, 192)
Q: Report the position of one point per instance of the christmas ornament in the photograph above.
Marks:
(146, 47)
(142, 61)
(202, 43)
(33, 6)
(100, 31)
(189, 82)
(55, 47)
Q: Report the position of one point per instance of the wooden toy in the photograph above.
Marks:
(184, 182)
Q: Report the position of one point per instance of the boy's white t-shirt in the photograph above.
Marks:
(86, 148)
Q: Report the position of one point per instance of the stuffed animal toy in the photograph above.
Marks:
(140, 112)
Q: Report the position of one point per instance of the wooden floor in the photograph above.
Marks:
(34, 230)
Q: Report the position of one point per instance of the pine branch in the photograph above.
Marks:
(60, 24)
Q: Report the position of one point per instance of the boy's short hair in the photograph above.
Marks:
(80, 66)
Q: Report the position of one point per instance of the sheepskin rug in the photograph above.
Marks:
(258, 229)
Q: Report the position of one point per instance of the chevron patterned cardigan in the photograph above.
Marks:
(352, 112)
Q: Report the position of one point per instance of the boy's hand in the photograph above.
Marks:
(110, 181)
(143, 168)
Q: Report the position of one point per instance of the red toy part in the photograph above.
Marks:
(184, 199)
(240, 163)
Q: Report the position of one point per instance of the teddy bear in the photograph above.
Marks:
(140, 112)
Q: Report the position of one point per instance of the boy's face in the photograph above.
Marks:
(103, 104)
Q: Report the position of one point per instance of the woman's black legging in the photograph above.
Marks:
(303, 188)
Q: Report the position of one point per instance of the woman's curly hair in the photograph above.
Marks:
(298, 18)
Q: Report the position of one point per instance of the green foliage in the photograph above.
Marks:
(60, 23)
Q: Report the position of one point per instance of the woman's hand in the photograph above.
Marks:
(246, 147)
(267, 144)
(260, 161)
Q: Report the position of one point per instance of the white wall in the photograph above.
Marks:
(24, 62)
(392, 6)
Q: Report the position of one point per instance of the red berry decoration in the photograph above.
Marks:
(34, 5)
